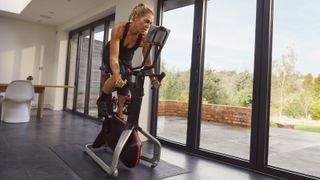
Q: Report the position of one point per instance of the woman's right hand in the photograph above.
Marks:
(118, 81)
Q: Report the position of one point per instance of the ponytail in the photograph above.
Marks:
(139, 11)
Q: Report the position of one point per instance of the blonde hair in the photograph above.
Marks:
(139, 11)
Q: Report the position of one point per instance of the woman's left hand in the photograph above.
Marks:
(155, 84)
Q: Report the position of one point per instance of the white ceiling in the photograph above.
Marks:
(54, 12)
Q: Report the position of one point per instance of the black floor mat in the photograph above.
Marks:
(87, 169)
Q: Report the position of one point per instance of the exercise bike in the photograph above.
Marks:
(120, 136)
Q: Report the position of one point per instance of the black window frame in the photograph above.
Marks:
(261, 91)
(106, 21)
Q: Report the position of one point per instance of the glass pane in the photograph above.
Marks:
(228, 77)
(294, 134)
(111, 24)
(85, 38)
(95, 69)
(97, 78)
(176, 61)
(72, 68)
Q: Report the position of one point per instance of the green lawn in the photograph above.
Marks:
(308, 128)
(273, 125)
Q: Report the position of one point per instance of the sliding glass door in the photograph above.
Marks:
(294, 133)
(176, 62)
(243, 83)
(228, 77)
(95, 77)
(72, 68)
(82, 69)
(85, 59)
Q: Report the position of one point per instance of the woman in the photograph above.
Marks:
(126, 38)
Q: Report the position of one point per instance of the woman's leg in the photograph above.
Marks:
(121, 101)
(122, 93)
(109, 85)
(104, 101)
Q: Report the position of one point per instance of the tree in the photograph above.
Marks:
(175, 86)
(169, 90)
(284, 80)
(183, 84)
(293, 109)
(315, 109)
(243, 89)
(212, 90)
(306, 96)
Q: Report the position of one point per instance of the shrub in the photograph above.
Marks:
(294, 110)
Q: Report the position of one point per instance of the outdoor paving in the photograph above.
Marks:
(289, 149)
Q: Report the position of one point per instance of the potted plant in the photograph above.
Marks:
(29, 78)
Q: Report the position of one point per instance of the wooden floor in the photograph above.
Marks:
(25, 151)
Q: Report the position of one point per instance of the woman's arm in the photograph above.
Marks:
(114, 49)
(144, 50)
(153, 80)
(116, 34)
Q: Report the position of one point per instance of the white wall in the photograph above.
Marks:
(26, 49)
(54, 96)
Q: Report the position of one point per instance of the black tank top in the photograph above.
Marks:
(125, 54)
